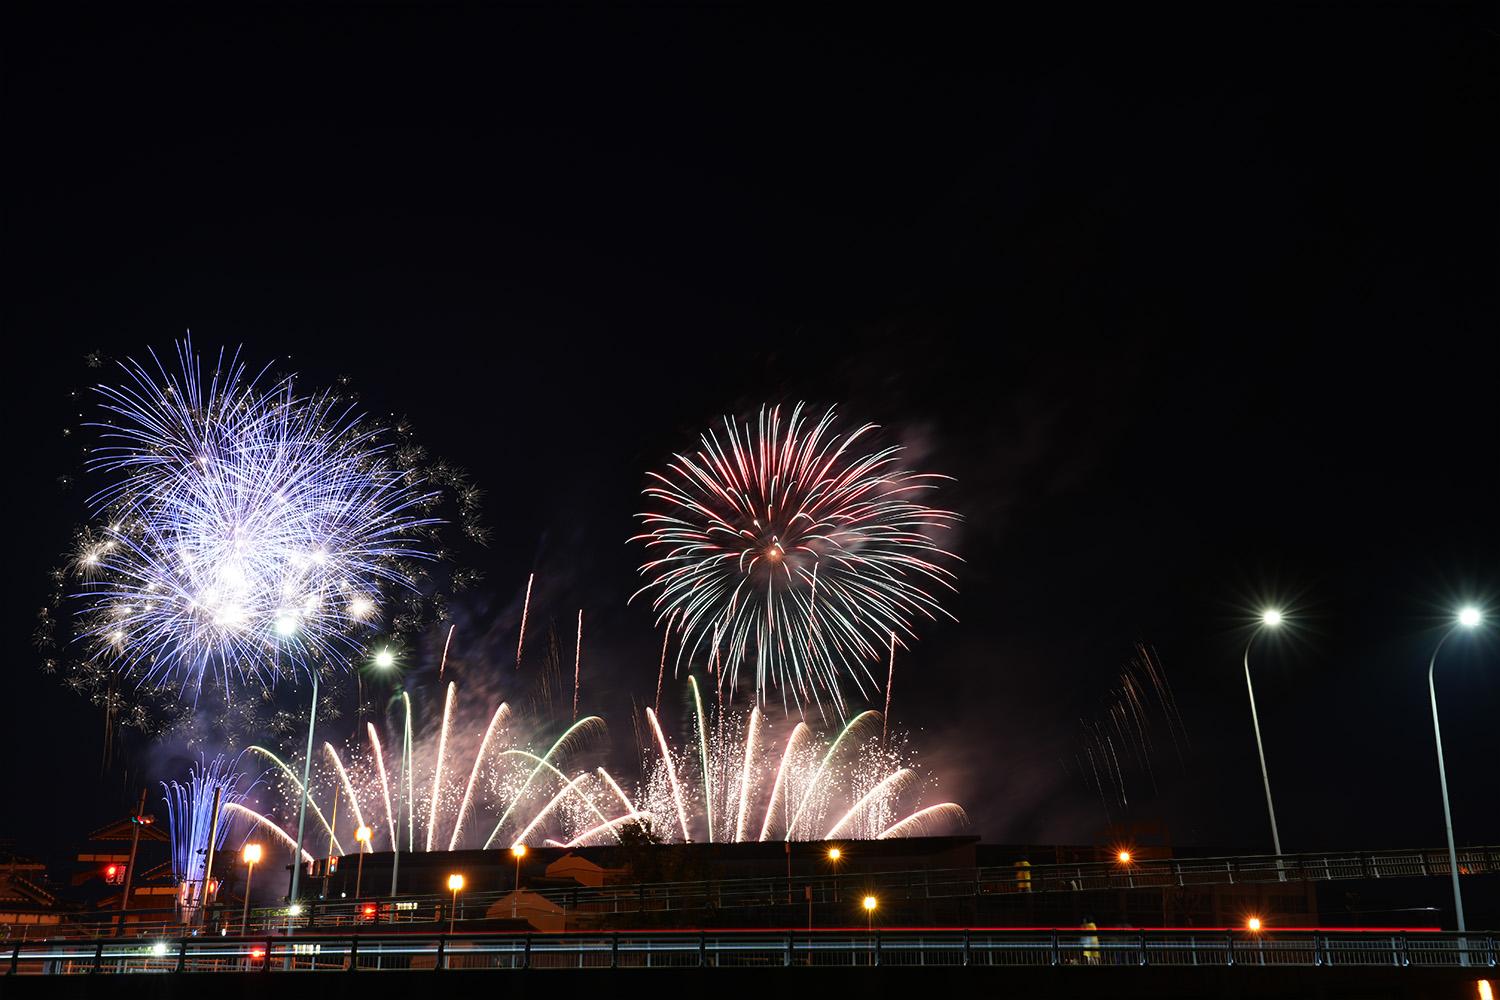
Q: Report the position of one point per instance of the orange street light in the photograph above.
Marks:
(363, 836)
(455, 883)
(1253, 925)
(519, 852)
(251, 855)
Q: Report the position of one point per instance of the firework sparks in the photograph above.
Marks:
(530, 792)
(525, 608)
(745, 525)
(890, 678)
(190, 816)
(489, 734)
(852, 785)
(267, 823)
(250, 526)
(437, 772)
(577, 663)
(446, 643)
(1119, 745)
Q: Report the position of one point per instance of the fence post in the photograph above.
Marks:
(787, 959)
(526, 953)
(181, 955)
(702, 950)
(437, 965)
(1404, 955)
(1317, 950)
(966, 946)
(877, 947)
(1056, 951)
(354, 953)
(1229, 937)
(265, 960)
(98, 956)
(15, 959)
(614, 951)
(1143, 948)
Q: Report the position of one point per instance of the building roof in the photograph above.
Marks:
(124, 829)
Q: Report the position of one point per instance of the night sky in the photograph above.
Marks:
(1199, 314)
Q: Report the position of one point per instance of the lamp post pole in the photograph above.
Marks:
(251, 855)
(1271, 618)
(1437, 735)
(312, 716)
(362, 837)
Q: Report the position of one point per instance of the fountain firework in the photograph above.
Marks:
(745, 781)
(789, 547)
(190, 818)
(464, 782)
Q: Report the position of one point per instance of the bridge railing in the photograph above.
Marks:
(822, 889)
(745, 949)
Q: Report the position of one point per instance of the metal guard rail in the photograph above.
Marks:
(1140, 873)
(742, 949)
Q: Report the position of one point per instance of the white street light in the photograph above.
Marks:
(1469, 617)
(1270, 618)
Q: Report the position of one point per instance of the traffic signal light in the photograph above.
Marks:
(114, 874)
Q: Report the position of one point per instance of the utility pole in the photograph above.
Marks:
(135, 841)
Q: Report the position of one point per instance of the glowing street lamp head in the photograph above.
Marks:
(385, 659)
(1253, 924)
(834, 854)
(1270, 617)
(1470, 616)
(1123, 857)
(518, 851)
(251, 854)
(870, 902)
(363, 835)
(455, 882)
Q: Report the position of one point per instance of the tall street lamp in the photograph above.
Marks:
(1271, 618)
(518, 851)
(362, 835)
(251, 856)
(1469, 619)
(286, 626)
(455, 883)
(384, 659)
